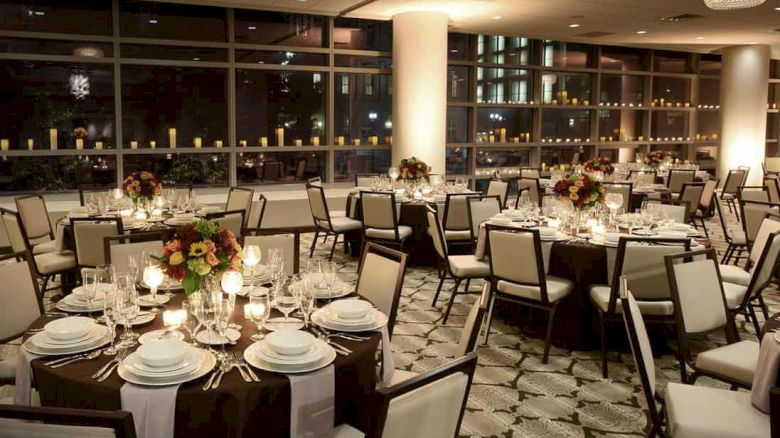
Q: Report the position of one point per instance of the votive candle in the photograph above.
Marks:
(197, 142)
(4, 145)
(172, 138)
(315, 140)
(98, 145)
(30, 144)
(79, 143)
(53, 138)
(264, 141)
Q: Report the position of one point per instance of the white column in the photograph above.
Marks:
(743, 97)
(420, 87)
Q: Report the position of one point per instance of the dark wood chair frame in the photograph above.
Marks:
(733, 250)
(399, 257)
(318, 228)
(521, 190)
(146, 236)
(120, 421)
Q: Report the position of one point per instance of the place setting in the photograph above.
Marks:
(166, 362)
(349, 315)
(68, 336)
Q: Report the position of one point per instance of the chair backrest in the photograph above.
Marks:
(764, 269)
(678, 177)
(364, 179)
(691, 192)
(773, 185)
(257, 212)
(119, 249)
(232, 220)
(753, 193)
(381, 279)
(19, 294)
(753, 214)
(769, 224)
(379, 210)
(13, 229)
(675, 209)
(287, 240)
(37, 422)
(437, 234)
(430, 405)
(722, 218)
(516, 256)
(88, 234)
(315, 181)
(470, 333)
(500, 189)
(621, 188)
(531, 185)
(456, 215)
(529, 173)
(642, 177)
(317, 203)
(481, 209)
(240, 198)
(733, 181)
(641, 350)
(34, 216)
(745, 174)
(708, 193)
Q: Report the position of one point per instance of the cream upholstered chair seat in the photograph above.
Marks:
(737, 360)
(338, 213)
(404, 231)
(457, 235)
(51, 262)
(734, 293)
(468, 266)
(697, 411)
(341, 224)
(557, 288)
(739, 238)
(734, 274)
(346, 431)
(45, 247)
(599, 294)
(727, 196)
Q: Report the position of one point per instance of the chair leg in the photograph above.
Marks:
(452, 300)
(443, 276)
(681, 362)
(548, 338)
(468, 284)
(333, 248)
(764, 309)
(489, 319)
(727, 255)
(753, 316)
(604, 366)
(314, 243)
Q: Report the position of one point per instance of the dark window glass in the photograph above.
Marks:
(353, 162)
(281, 58)
(669, 125)
(56, 47)
(624, 58)
(564, 88)
(773, 126)
(622, 89)
(774, 96)
(91, 17)
(708, 126)
(620, 155)
(364, 62)
(552, 156)
(29, 174)
(280, 29)
(504, 85)
(672, 150)
(709, 92)
(560, 54)
(563, 124)
(172, 21)
(458, 83)
(672, 62)
(171, 52)
(459, 45)
(621, 125)
(502, 158)
(774, 69)
(673, 91)
(268, 101)
(457, 124)
(196, 169)
(190, 100)
(705, 158)
(364, 108)
(458, 161)
(504, 125)
(39, 100)
(494, 49)
(709, 65)
(353, 33)
(279, 167)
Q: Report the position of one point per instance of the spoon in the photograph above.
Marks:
(90, 356)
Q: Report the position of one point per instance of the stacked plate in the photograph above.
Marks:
(289, 351)
(181, 219)
(68, 336)
(165, 362)
(77, 302)
(322, 291)
(349, 315)
(261, 276)
(606, 239)
(549, 234)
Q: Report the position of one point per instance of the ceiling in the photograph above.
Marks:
(622, 19)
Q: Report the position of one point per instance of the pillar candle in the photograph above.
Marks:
(315, 140)
(218, 143)
(502, 133)
(527, 137)
(340, 140)
(280, 136)
(4, 145)
(264, 141)
(153, 144)
(555, 101)
(133, 145)
(197, 142)
(30, 144)
(242, 143)
(586, 102)
(53, 138)
(172, 138)
(574, 101)
(79, 143)
(356, 142)
(491, 138)
(98, 145)
(374, 140)
(298, 142)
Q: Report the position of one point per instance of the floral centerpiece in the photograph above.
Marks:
(582, 190)
(413, 170)
(200, 250)
(141, 186)
(80, 132)
(654, 159)
(600, 164)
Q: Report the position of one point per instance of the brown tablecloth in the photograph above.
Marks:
(236, 408)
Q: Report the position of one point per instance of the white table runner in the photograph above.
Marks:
(765, 375)
(388, 363)
(312, 403)
(153, 409)
(24, 376)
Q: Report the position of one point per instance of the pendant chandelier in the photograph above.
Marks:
(725, 5)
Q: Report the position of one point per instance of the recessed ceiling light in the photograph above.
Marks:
(40, 13)
(641, 32)
(777, 8)
(196, 59)
(574, 25)
(454, 51)
(152, 21)
(252, 27)
(497, 17)
(701, 38)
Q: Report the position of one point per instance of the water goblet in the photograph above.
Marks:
(231, 283)
(110, 316)
(153, 277)
(127, 308)
(91, 282)
(259, 309)
(190, 322)
(285, 301)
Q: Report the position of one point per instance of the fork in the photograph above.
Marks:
(121, 356)
(236, 364)
(249, 369)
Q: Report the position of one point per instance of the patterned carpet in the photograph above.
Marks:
(514, 394)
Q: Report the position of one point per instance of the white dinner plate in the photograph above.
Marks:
(72, 305)
(193, 358)
(102, 288)
(31, 346)
(177, 223)
(367, 320)
(154, 335)
(279, 323)
(168, 284)
(209, 360)
(45, 341)
(146, 300)
(214, 338)
(340, 289)
(141, 319)
(315, 354)
(557, 237)
(601, 242)
(319, 319)
(251, 356)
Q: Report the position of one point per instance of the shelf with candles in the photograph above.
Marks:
(509, 104)
(53, 153)
(177, 150)
(662, 105)
(623, 105)
(708, 108)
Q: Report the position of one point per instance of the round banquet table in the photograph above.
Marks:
(236, 408)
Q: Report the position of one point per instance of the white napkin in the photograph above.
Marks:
(312, 400)
(153, 409)
(24, 376)
(388, 364)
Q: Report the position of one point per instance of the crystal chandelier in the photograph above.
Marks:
(725, 5)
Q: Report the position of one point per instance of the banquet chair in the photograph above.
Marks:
(677, 177)
(517, 275)
(701, 308)
(257, 212)
(232, 220)
(753, 193)
(529, 173)
(458, 267)
(118, 249)
(325, 221)
(381, 279)
(240, 198)
(707, 198)
(532, 187)
(739, 275)
(83, 193)
(691, 193)
(737, 242)
(642, 177)
(728, 193)
(286, 240)
(380, 220)
(457, 228)
(676, 209)
(34, 219)
(25, 421)
(753, 214)
(745, 174)
(23, 304)
(430, 405)
(364, 179)
(498, 188)
(315, 181)
(690, 411)
(773, 187)
(480, 209)
(46, 265)
(641, 262)
(88, 234)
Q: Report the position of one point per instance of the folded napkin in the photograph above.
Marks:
(24, 376)
(765, 375)
(153, 409)
(312, 399)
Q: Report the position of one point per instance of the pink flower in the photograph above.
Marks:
(173, 245)
(211, 259)
(210, 246)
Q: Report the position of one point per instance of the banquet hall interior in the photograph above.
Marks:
(389, 218)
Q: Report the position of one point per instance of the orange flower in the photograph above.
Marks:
(211, 259)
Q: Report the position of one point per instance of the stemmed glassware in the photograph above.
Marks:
(191, 323)
(133, 268)
(127, 308)
(207, 310)
(258, 310)
(91, 282)
(285, 300)
(153, 277)
(252, 257)
(110, 316)
(613, 202)
(222, 317)
(306, 301)
(231, 283)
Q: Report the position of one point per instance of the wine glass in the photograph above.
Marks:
(127, 307)
(133, 268)
(285, 300)
(222, 318)
(206, 310)
(306, 302)
(91, 281)
(613, 202)
(231, 283)
(191, 323)
(110, 316)
(252, 257)
(258, 310)
(153, 277)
